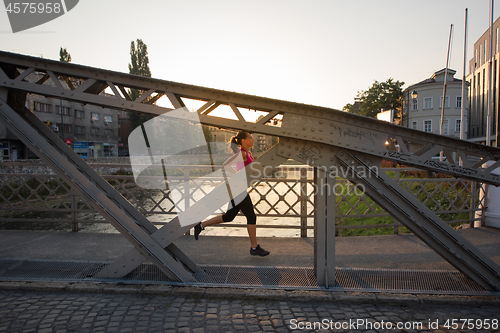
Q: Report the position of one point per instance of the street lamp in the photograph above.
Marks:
(413, 95)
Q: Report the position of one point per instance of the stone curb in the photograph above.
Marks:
(250, 293)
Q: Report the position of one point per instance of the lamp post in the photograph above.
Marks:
(413, 95)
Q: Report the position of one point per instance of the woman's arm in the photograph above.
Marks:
(227, 165)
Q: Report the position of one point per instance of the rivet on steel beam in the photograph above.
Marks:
(320, 122)
(282, 151)
(289, 154)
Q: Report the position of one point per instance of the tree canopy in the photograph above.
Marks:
(381, 95)
(139, 65)
(64, 55)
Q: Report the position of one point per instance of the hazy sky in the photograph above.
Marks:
(313, 52)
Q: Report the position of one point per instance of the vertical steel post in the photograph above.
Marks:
(324, 228)
(74, 215)
(303, 202)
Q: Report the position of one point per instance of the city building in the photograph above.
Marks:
(92, 131)
(478, 78)
(422, 104)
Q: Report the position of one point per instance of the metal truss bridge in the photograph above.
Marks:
(321, 137)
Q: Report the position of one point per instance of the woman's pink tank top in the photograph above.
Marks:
(249, 160)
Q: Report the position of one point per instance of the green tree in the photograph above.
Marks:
(64, 55)
(381, 95)
(139, 65)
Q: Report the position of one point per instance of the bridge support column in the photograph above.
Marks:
(324, 228)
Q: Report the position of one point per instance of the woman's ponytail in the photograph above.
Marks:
(235, 141)
(234, 144)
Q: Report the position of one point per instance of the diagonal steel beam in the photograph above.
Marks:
(103, 198)
(364, 169)
(300, 121)
(261, 167)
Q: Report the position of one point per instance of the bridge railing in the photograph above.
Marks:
(31, 194)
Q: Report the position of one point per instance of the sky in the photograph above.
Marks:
(316, 52)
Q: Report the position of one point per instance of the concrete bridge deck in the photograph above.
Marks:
(389, 253)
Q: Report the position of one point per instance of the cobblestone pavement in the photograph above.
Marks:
(63, 311)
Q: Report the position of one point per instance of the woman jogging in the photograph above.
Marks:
(244, 141)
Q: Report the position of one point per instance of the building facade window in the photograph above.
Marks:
(427, 103)
(108, 119)
(428, 126)
(42, 107)
(446, 102)
(414, 105)
(79, 130)
(458, 122)
(459, 102)
(446, 123)
(496, 42)
(65, 110)
(94, 116)
(485, 54)
(414, 125)
(96, 131)
(109, 132)
(67, 128)
(79, 114)
(480, 54)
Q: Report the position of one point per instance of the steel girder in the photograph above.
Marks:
(364, 169)
(300, 121)
(317, 125)
(96, 191)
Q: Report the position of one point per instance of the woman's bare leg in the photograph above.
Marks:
(214, 220)
(252, 233)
